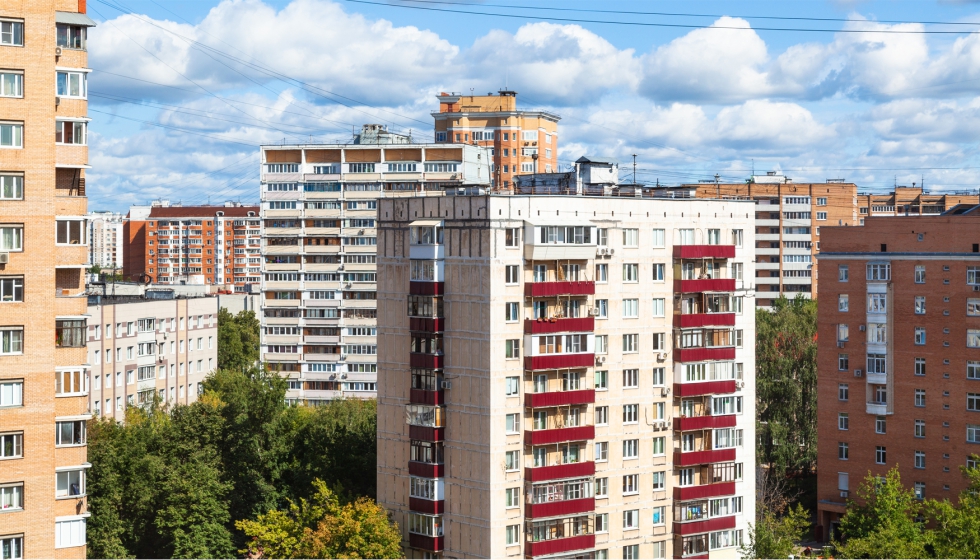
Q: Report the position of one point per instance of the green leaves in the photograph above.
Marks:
(238, 340)
(775, 536)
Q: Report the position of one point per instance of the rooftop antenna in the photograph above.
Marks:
(753, 166)
(634, 169)
(717, 186)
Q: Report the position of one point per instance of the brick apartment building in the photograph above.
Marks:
(899, 355)
(319, 246)
(43, 253)
(173, 244)
(520, 142)
(566, 376)
(790, 215)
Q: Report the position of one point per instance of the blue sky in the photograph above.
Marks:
(183, 91)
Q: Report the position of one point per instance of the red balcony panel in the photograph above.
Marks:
(559, 398)
(558, 472)
(426, 361)
(432, 507)
(428, 470)
(705, 285)
(704, 251)
(557, 435)
(704, 354)
(558, 361)
(556, 546)
(704, 388)
(426, 288)
(703, 320)
(704, 491)
(701, 457)
(580, 324)
(695, 527)
(428, 324)
(703, 422)
(566, 507)
(435, 398)
(544, 289)
(426, 433)
(422, 542)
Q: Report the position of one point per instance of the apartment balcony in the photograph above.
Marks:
(704, 526)
(705, 285)
(557, 472)
(426, 433)
(426, 361)
(559, 435)
(558, 546)
(558, 361)
(877, 378)
(426, 288)
(704, 354)
(545, 326)
(559, 398)
(878, 409)
(688, 458)
(704, 422)
(705, 388)
(427, 470)
(553, 509)
(427, 324)
(547, 289)
(434, 398)
(702, 491)
(432, 507)
(424, 542)
(704, 251)
(693, 320)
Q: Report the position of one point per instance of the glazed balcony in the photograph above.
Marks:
(704, 251)
(705, 285)
(424, 542)
(704, 354)
(421, 396)
(426, 288)
(427, 470)
(558, 546)
(426, 433)
(693, 320)
(549, 289)
(557, 472)
(688, 458)
(704, 422)
(564, 507)
(427, 324)
(426, 361)
(559, 398)
(705, 388)
(545, 326)
(559, 435)
(704, 491)
(704, 526)
(432, 507)
(557, 361)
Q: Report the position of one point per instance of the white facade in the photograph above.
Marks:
(106, 239)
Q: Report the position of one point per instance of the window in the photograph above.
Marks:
(602, 273)
(973, 402)
(842, 302)
(11, 84)
(842, 450)
(658, 307)
(11, 340)
(658, 239)
(842, 333)
(876, 363)
(631, 415)
(11, 498)
(658, 272)
(70, 484)
(70, 132)
(842, 422)
(881, 425)
(920, 366)
(842, 273)
(70, 433)
(602, 487)
(71, 232)
(12, 548)
(69, 533)
(512, 348)
(973, 338)
(513, 423)
(70, 333)
(631, 484)
(631, 520)
(512, 497)
(512, 274)
(512, 460)
(11, 188)
(11, 135)
(601, 344)
(71, 36)
(714, 237)
(920, 335)
(602, 237)
(632, 551)
(70, 382)
(71, 84)
(631, 272)
(631, 237)
(842, 362)
(879, 271)
(601, 415)
(973, 433)
(512, 311)
(659, 515)
(659, 480)
(881, 455)
(920, 305)
(631, 308)
(631, 343)
(821, 201)
(601, 379)
(659, 445)
(843, 391)
(513, 534)
(601, 451)
(820, 215)
(12, 33)
(631, 378)
(658, 376)
(512, 237)
(973, 369)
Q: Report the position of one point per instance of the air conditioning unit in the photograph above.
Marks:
(57, 100)
(976, 288)
(600, 359)
(343, 357)
(739, 384)
(57, 51)
(611, 251)
(844, 493)
(862, 328)
(445, 384)
(858, 373)
(4, 258)
(661, 357)
(840, 343)
(594, 311)
(664, 391)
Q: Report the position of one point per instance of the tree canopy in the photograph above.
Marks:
(238, 340)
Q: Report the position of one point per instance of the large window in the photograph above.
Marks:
(72, 84)
(11, 135)
(11, 187)
(12, 289)
(11, 498)
(69, 533)
(12, 548)
(70, 382)
(70, 433)
(11, 393)
(11, 340)
(70, 333)
(70, 484)
(11, 445)
(71, 36)
(879, 271)
(11, 84)
(71, 232)
(70, 132)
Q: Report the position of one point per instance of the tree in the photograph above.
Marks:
(882, 523)
(322, 527)
(776, 536)
(786, 383)
(238, 340)
(956, 529)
